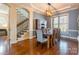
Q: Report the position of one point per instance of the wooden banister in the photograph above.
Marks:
(22, 22)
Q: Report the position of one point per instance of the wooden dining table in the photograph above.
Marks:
(49, 37)
(52, 35)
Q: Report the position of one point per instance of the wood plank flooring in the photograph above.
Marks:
(28, 47)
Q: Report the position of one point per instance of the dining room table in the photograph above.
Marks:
(48, 34)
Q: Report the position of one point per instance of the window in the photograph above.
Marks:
(3, 21)
(61, 22)
(56, 22)
(4, 14)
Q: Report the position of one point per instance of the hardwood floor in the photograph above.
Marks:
(28, 47)
(4, 45)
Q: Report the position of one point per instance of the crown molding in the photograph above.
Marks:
(65, 9)
(68, 9)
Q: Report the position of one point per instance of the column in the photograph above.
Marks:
(31, 25)
(13, 24)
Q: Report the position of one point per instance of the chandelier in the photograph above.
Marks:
(49, 11)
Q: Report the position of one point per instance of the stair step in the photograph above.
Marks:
(19, 36)
(21, 33)
(24, 31)
(19, 39)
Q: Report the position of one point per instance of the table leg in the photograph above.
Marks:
(48, 43)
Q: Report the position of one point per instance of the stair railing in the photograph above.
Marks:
(22, 25)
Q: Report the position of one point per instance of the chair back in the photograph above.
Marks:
(56, 33)
(39, 35)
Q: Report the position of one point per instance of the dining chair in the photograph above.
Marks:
(40, 38)
(55, 36)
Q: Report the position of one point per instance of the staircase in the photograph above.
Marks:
(23, 30)
(22, 24)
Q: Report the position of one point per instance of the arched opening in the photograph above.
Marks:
(22, 23)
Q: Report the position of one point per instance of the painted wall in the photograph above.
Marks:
(41, 19)
(73, 14)
(73, 25)
(38, 16)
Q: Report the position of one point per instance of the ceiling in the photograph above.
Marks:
(59, 6)
(41, 7)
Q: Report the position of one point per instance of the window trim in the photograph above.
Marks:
(60, 15)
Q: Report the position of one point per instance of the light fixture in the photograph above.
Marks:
(49, 11)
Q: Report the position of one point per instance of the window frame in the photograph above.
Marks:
(53, 21)
(61, 15)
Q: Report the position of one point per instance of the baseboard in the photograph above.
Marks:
(70, 38)
(22, 40)
(33, 37)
